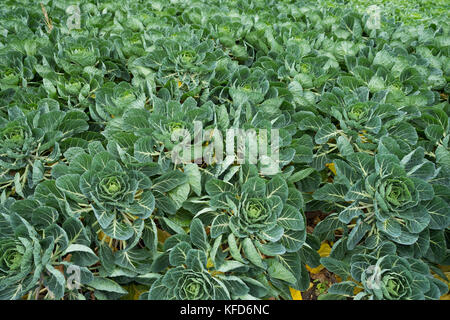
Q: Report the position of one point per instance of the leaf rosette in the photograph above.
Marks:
(10, 78)
(397, 194)
(259, 214)
(186, 284)
(189, 279)
(19, 257)
(382, 273)
(386, 197)
(256, 215)
(17, 138)
(118, 196)
(29, 142)
(394, 278)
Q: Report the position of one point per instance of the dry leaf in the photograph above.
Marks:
(295, 294)
(331, 167)
(324, 251)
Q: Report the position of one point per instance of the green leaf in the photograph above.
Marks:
(291, 218)
(273, 234)
(178, 254)
(69, 184)
(173, 226)
(357, 233)
(150, 235)
(300, 175)
(330, 223)
(165, 204)
(194, 178)
(234, 250)
(55, 283)
(405, 132)
(295, 199)
(215, 187)
(18, 185)
(344, 288)
(417, 219)
(363, 162)
(44, 216)
(255, 186)
(144, 205)
(78, 248)
(293, 240)
(119, 230)
(105, 284)
(277, 186)
(438, 246)
(180, 194)
(219, 225)
(38, 172)
(271, 248)
(251, 253)
(438, 210)
(332, 192)
(325, 133)
(344, 146)
(279, 271)
(351, 212)
(169, 181)
(198, 235)
(336, 266)
(434, 132)
(196, 260)
(100, 161)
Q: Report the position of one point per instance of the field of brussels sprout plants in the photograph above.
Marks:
(215, 150)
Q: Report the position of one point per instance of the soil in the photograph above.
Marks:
(321, 281)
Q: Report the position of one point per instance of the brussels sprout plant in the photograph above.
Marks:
(224, 150)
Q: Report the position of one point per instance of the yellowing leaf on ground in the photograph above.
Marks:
(363, 137)
(357, 290)
(103, 237)
(331, 167)
(315, 270)
(324, 251)
(134, 291)
(295, 294)
(162, 235)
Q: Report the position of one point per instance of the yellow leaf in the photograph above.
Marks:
(445, 269)
(210, 263)
(357, 290)
(296, 295)
(162, 235)
(134, 291)
(315, 270)
(363, 137)
(179, 84)
(103, 237)
(331, 167)
(324, 251)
